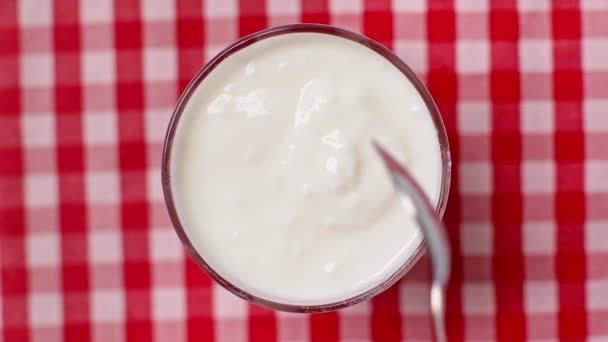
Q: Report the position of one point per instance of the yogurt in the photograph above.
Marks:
(274, 178)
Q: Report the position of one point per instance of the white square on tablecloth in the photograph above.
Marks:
(353, 322)
(414, 298)
(534, 5)
(538, 238)
(35, 13)
(538, 177)
(593, 338)
(41, 190)
(160, 64)
(37, 70)
(472, 5)
(108, 331)
(212, 50)
(102, 187)
(38, 130)
(594, 4)
(45, 313)
(540, 296)
(165, 245)
(157, 121)
(168, 303)
(537, 116)
(597, 294)
(475, 177)
(230, 330)
(413, 53)
(409, 6)
(45, 309)
(535, 55)
(596, 236)
(472, 56)
(595, 115)
(95, 11)
(226, 305)
(108, 305)
(43, 250)
(158, 10)
(474, 117)
(292, 326)
(100, 128)
(105, 246)
(174, 331)
(282, 8)
(219, 33)
(345, 7)
(595, 54)
(221, 9)
(596, 176)
(478, 298)
(99, 67)
(154, 186)
(476, 239)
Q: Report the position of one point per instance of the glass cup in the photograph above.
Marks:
(243, 43)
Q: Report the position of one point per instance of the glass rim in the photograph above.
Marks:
(243, 43)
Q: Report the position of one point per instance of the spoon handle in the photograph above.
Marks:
(414, 199)
(438, 312)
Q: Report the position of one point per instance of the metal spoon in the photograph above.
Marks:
(432, 231)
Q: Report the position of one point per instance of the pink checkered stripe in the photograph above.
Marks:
(87, 251)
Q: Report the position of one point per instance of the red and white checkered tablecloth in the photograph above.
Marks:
(87, 252)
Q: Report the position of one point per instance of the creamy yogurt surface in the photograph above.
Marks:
(274, 177)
